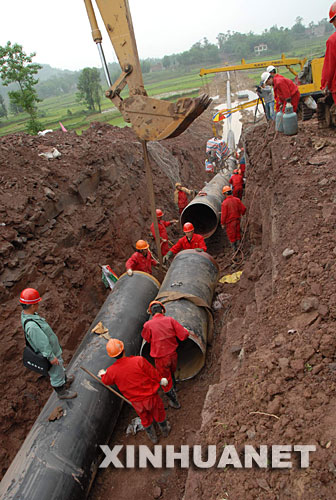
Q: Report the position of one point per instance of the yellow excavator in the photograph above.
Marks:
(308, 79)
(152, 119)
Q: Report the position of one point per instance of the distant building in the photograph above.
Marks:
(260, 48)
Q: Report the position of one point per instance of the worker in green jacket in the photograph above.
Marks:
(44, 341)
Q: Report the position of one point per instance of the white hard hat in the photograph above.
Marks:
(265, 76)
(270, 68)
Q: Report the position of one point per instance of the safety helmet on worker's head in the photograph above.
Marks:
(332, 12)
(226, 190)
(29, 296)
(188, 227)
(151, 307)
(159, 212)
(114, 347)
(271, 68)
(141, 245)
(236, 171)
(178, 184)
(265, 76)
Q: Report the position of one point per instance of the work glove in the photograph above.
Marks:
(129, 272)
(167, 257)
(174, 221)
(164, 382)
(101, 373)
(199, 249)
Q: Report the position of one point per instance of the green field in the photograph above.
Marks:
(168, 84)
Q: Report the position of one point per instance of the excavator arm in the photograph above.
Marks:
(152, 119)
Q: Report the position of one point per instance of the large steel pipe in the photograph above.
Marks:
(193, 275)
(204, 210)
(58, 460)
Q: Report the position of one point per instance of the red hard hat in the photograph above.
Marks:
(188, 227)
(149, 310)
(332, 12)
(159, 212)
(114, 347)
(236, 171)
(29, 296)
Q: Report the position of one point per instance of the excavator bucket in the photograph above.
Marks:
(155, 119)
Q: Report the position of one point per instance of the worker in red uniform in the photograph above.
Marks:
(284, 89)
(162, 231)
(242, 162)
(181, 196)
(190, 240)
(139, 382)
(328, 80)
(237, 182)
(232, 210)
(161, 333)
(141, 260)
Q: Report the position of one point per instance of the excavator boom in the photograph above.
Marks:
(152, 119)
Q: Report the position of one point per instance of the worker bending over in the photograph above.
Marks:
(139, 382)
(284, 89)
(161, 333)
(181, 196)
(141, 260)
(43, 340)
(237, 183)
(187, 242)
(162, 231)
(232, 210)
(328, 80)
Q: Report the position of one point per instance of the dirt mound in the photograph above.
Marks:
(60, 219)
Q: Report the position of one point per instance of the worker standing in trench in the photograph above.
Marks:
(139, 382)
(141, 260)
(237, 183)
(162, 231)
(181, 196)
(187, 242)
(43, 340)
(328, 81)
(161, 333)
(232, 210)
(284, 89)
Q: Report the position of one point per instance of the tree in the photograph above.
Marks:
(3, 109)
(166, 61)
(17, 67)
(89, 88)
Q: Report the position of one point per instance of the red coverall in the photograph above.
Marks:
(329, 67)
(161, 332)
(284, 89)
(138, 262)
(237, 182)
(163, 234)
(197, 241)
(139, 382)
(232, 210)
(182, 201)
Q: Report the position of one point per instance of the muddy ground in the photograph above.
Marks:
(270, 374)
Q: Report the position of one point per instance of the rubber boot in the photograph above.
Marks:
(164, 428)
(151, 433)
(173, 401)
(63, 393)
(68, 380)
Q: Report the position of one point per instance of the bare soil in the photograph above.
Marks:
(270, 375)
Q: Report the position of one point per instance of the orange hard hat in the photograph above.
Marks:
(159, 212)
(188, 227)
(236, 171)
(332, 12)
(141, 245)
(149, 310)
(226, 189)
(29, 296)
(114, 347)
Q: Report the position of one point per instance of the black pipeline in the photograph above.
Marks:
(204, 210)
(187, 293)
(58, 460)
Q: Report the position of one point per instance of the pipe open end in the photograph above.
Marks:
(203, 218)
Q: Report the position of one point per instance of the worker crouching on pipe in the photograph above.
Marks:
(232, 210)
(139, 382)
(162, 231)
(141, 260)
(187, 242)
(161, 332)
